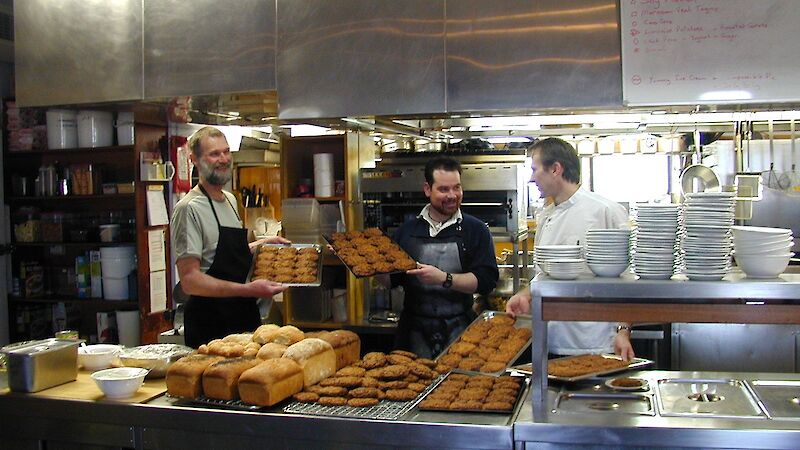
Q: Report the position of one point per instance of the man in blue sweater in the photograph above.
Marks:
(455, 259)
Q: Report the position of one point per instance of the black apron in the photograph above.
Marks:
(208, 318)
(434, 316)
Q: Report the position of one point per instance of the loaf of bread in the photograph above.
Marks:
(221, 379)
(346, 345)
(184, 376)
(239, 338)
(270, 382)
(251, 349)
(222, 348)
(316, 357)
(263, 332)
(271, 350)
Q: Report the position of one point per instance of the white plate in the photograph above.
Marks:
(643, 385)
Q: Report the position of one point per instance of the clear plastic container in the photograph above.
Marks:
(52, 227)
(300, 213)
(27, 225)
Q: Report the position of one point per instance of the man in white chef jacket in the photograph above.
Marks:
(574, 210)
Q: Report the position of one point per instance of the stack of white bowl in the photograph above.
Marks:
(562, 262)
(706, 243)
(654, 246)
(762, 252)
(608, 251)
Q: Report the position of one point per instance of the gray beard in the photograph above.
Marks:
(212, 177)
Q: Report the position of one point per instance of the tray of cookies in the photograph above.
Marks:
(378, 386)
(288, 264)
(492, 342)
(581, 367)
(370, 252)
(464, 392)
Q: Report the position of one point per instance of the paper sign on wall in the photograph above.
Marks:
(158, 291)
(156, 206)
(155, 247)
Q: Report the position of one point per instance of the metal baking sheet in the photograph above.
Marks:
(521, 321)
(520, 393)
(637, 363)
(236, 405)
(329, 240)
(317, 282)
(385, 409)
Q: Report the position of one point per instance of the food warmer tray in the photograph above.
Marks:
(385, 409)
(637, 363)
(522, 389)
(316, 282)
(329, 240)
(521, 321)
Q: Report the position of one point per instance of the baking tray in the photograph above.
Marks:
(236, 405)
(385, 409)
(329, 240)
(637, 363)
(521, 321)
(317, 282)
(523, 387)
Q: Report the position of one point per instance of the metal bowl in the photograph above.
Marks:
(709, 182)
(156, 357)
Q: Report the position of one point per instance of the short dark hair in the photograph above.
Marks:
(552, 150)
(196, 138)
(440, 163)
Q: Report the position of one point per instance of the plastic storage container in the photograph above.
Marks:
(300, 213)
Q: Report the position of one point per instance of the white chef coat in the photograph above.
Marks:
(566, 224)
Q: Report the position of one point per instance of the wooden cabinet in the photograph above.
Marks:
(350, 152)
(50, 230)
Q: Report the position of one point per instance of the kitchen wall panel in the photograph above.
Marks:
(521, 54)
(360, 57)
(77, 51)
(208, 46)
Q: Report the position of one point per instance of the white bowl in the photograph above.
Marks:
(120, 382)
(98, 356)
(780, 247)
(608, 270)
(761, 266)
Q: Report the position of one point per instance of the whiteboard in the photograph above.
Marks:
(679, 52)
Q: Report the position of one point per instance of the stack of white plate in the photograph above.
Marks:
(655, 240)
(762, 252)
(545, 253)
(564, 268)
(608, 251)
(706, 244)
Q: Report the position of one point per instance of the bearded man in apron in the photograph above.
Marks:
(455, 259)
(212, 251)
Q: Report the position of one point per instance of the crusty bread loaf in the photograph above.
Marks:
(316, 334)
(316, 357)
(239, 338)
(221, 379)
(346, 345)
(226, 349)
(285, 335)
(271, 350)
(263, 332)
(251, 349)
(184, 376)
(271, 381)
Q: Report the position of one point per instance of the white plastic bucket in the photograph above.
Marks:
(95, 128)
(62, 128)
(120, 251)
(124, 126)
(117, 267)
(115, 288)
(128, 328)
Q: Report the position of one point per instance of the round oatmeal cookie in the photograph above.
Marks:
(480, 327)
(400, 395)
(521, 333)
(351, 371)
(503, 356)
(502, 331)
(348, 382)
(429, 363)
(466, 404)
(420, 371)
(473, 394)
(416, 387)
(369, 382)
(364, 392)
(481, 384)
(398, 359)
(461, 348)
(457, 377)
(483, 352)
(328, 391)
(498, 406)
(373, 360)
(383, 266)
(447, 396)
(501, 320)
(405, 353)
(492, 397)
(492, 366)
(385, 385)
(332, 401)
(471, 364)
(493, 342)
(373, 232)
(411, 378)
(505, 392)
(450, 360)
(306, 397)
(434, 403)
(441, 368)
(374, 373)
(394, 372)
(364, 270)
(362, 402)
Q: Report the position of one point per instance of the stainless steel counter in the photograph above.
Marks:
(609, 429)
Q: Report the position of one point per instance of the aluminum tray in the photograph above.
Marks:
(521, 321)
(329, 240)
(155, 357)
(236, 405)
(637, 363)
(520, 393)
(385, 409)
(317, 282)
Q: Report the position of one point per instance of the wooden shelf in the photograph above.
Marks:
(67, 151)
(330, 199)
(93, 302)
(72, 244)
(72, 198)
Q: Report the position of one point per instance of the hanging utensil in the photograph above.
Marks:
(794, 177)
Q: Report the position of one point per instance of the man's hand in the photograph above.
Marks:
(266, 288)
(268, 240)
(428, 274)
(622, 345)
(519, 303)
